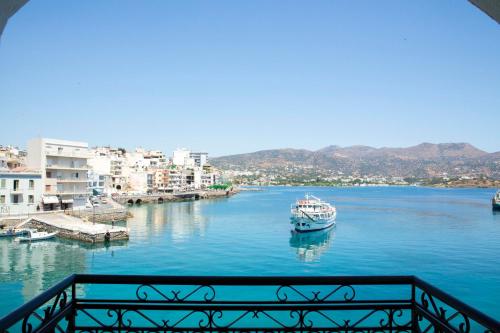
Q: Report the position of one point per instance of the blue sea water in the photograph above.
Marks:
(449, 237)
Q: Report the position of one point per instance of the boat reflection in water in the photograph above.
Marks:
(310, 245)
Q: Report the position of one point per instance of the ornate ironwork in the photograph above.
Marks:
(246, 305)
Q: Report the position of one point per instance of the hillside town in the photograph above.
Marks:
(60, 174)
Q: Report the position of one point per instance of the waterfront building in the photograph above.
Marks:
(98, 183)
(20, 191)
(63, 165)
(150, 181)
(161, 180)
(182, 157)
(208, 179)
(199, 159)
(118, 180)
(107, 165)
(139, 182)
(155, 159)
(176, 179)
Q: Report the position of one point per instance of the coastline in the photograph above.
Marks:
(496, 184)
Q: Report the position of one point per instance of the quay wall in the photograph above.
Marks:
(114, 215)
(171, 197)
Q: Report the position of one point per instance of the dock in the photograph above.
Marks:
(71, 227)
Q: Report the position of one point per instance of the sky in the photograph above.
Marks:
(231, 77)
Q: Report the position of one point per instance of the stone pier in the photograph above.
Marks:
(74, 228)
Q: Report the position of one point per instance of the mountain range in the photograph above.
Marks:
(423, 161)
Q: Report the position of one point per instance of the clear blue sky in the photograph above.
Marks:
(238, 76)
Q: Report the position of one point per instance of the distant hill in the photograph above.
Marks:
(423, 160)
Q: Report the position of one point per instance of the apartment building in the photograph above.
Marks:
(199, 159)
(63, 165)
(181, 157)
(161, 180)
(176, 179)
(20, 192)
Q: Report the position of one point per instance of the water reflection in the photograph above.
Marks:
(310, 245)
(183, 219)
(39, 265)
(186, 219)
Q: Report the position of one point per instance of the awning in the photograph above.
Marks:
(67, 201)
(50, 199)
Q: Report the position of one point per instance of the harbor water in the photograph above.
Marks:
(449, 237)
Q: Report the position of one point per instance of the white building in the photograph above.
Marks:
(98, 183)
(182, 157)
(176, 179)
(20, 192)
(63, 165)
(199, 159)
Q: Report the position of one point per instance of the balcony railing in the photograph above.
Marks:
(72, 180)
(73, 192)
(66, 167)
(245, 304)
(68, 153)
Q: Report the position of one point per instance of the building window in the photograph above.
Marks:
(2, 183)
(32, 184)
(47, 188)
(31, 199)
(2, 199)
(16, 184)
(15, 199)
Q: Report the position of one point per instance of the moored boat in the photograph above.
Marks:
(312, 214)
(36, 236)
(495, 202)
(13, 232)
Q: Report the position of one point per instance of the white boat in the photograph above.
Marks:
(13, 232)
(312, 214)
(36, 236)
(495, 202)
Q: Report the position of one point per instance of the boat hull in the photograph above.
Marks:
(36, 238)
(495, 205)
(301, 224)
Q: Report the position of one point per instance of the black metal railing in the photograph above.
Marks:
(114, 303)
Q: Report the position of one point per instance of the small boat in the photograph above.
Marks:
(312, 214)
(36, 236)
(13, 232)
(495, 202)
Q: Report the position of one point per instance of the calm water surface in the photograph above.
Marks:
(449, 237)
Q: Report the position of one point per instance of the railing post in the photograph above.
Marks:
(414, 320)
(72, 313)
